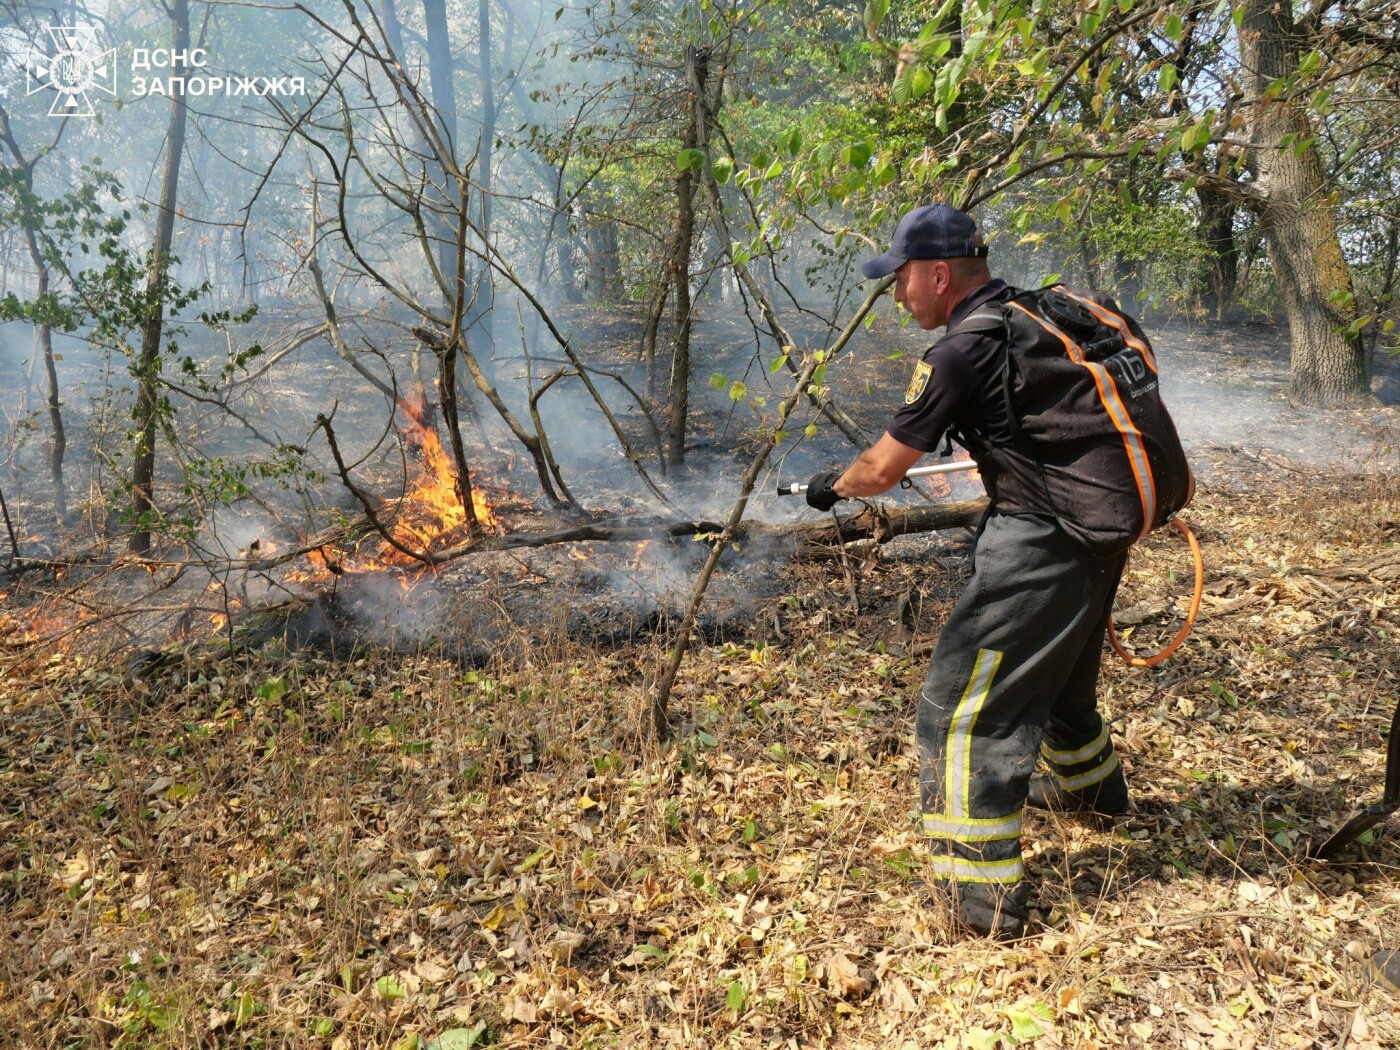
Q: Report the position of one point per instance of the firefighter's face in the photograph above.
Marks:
(921, 286)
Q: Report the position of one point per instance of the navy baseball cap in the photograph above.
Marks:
(933, 231)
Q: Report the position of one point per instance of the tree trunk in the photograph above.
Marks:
(604, 269)
(148, 363)
(445, 102)
(43, 338)
(1328, 367)
(43, 332)
(481, 312)
(1218, 233)
(697, 63)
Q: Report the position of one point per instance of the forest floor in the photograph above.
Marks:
(277, 849)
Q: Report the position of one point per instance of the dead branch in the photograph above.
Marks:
(659, 722)
(10, 530)
(535, 417)
(366, 503)
(342, 348)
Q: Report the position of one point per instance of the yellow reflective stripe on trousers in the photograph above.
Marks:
(978, 870)
(972, 829)
(1089, 779)
(958, 771)
(1083, 754)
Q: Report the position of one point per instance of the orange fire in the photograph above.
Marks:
(427, 518)
(436, 490)
(35, 625)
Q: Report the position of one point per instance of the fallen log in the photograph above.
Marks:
(883, 523)
(873, 522)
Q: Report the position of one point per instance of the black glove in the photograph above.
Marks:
(820, 493)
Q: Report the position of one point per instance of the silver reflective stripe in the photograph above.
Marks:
(958, 775)
(1083, 754)
(978, 870)
(1090, 778)
(973, 829)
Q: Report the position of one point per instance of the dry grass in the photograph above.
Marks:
(289, 852)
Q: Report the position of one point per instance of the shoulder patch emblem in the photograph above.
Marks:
(919, 383)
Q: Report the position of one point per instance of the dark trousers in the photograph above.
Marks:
(1014, 673)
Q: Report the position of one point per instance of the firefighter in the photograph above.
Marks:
(1016, 667)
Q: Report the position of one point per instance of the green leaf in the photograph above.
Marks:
(981, 1039)
(1024, 1027)
(738, 391)
(919, 82)
(736, 997)
(858, 154)
(1166, 78)
(244, 1013)
(810, 430)
(690, 160)
(389, 988)
(1197, 137)
(779, 363)
(718, 381)
(459, 1039)
(900, 89)
(273, 690)
(1174, 28)
(723, 168)
(875, 12)
(792, 141)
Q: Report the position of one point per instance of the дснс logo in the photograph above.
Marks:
(76, 66)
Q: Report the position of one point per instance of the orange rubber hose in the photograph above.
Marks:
(1175, 643)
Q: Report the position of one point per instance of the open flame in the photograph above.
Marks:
(436, 488)
(428, 516)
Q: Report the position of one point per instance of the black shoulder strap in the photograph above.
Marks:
(979, 321)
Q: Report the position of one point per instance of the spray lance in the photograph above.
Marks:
(798, 488)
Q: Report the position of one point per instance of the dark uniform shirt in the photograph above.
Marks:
(964, 389)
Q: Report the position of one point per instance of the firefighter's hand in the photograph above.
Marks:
(820, 491)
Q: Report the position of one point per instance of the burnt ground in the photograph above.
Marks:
(429, 815)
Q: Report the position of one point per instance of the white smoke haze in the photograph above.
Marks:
(247, 229)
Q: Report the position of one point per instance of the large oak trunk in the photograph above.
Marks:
(1328, 365)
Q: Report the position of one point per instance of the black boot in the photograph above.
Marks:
(1107, 798)
(988, 910)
